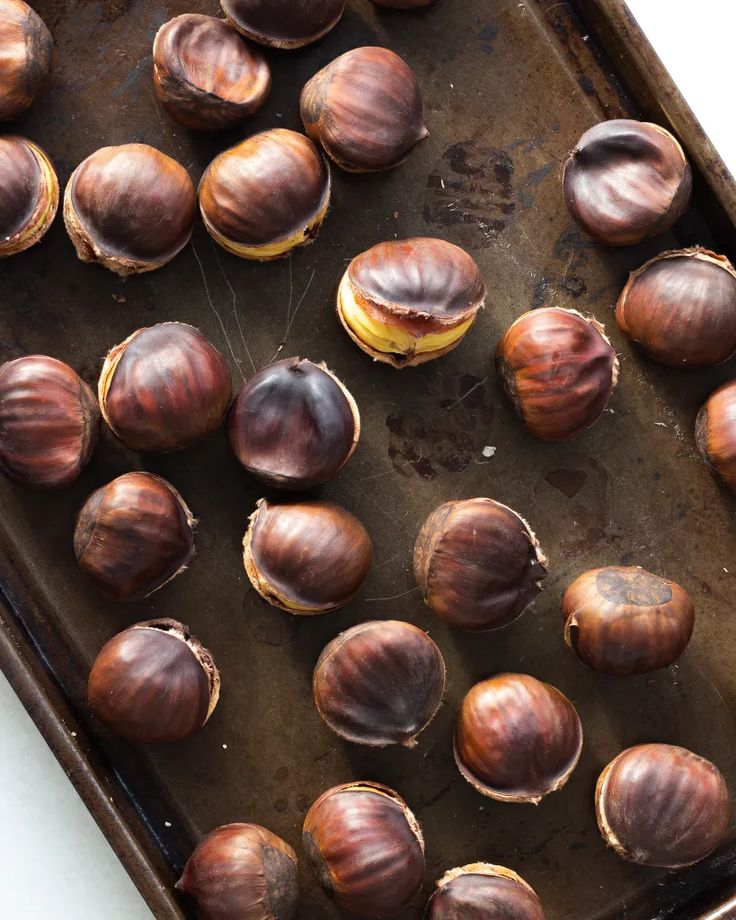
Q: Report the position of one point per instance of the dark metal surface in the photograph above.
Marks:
(509, 87)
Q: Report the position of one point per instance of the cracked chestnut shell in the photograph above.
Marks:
(517, 739)
(626, 180)
(131, 208)
(366, 849)
(661, 805)
(478, 564)
(365, 109)
(134, 535)
(379, 683)
(27, 47)
(294, 425)
(284, 23)
(206, 76)
(154, 682)
(624, 620)
(306, 557)
(409, 301)
(164, 388)
(242, 872)
(482, 891)
(29, 194)
(715, 433)
(49, 422)
(558, 369)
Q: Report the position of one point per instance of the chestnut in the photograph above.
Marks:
(626, 180)
(206, 76)
(294, 425)
(130, 208)
(134, 535)
(482, 891)
(366, 849)
(409, 301)
(29, 194)
(27, 47)
(242, 872)
(306, 557)
(715, 433)
(284, 23)
(154, 682)
(49, 422)
(266, 195)
(478, 564)
(365, 109)
(517, 739)
(661, 805)
(558, 369)
(164, 388)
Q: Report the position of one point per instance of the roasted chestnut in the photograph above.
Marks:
(154, 682)
(266, 196)
(517, 739)
(27, 47)
(284, 23)
(365, 109)
(206, 76)
(626, 180)
(242, 872)
(681, 308)
(481, 891)
(406, 302)
(294, 425)
(306, 557)
(134, 535)
(29, 194)
(49, 422)
(558, 369)
(164, 388)
(661, 805)
(478, 564)
(130, 208)
(715, 433)
(366, 849)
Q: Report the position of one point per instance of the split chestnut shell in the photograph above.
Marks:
(715, 433)
(27, 47)
(482, 891)
(284, 23)
(29, 194)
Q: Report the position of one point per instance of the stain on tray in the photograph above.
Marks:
(487, 37)
(569, 482)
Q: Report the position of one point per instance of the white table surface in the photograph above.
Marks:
(54, 862)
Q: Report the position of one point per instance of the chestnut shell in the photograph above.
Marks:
(27, 48)
(482, 891)
(29, 194)
(715, 433)
(284, 23)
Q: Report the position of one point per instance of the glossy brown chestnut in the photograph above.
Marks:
(366, 849)
(242, 872)
(306, 557)
(266, 196)
(154, 682)
(623, 620)
(681, 308)
(27, 47)
(294, 425)
(482, 891)
(29, 194)
(365, 109)
(715, 433)
(478, 564)
(626, 180)
(130, 208)
(558, 369)
(284, 23)
(206, 76)
(134, 535)
(49, 422)
(662, 805)
(517, 739)
(164, 388)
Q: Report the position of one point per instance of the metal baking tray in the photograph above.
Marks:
(509, 87)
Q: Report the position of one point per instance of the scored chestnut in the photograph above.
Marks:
(482, 891)
(294, 425)
(134, 535)
(661, 805)
(284, 23)
(365, 109)
(366, 849)
(154, 682)
(517, 739)
(409, 301)
(242, 871)
(626, 180)
(266, 195)
(27, 48)
(29, 194)
(306, 557)
(131, 208)
(558, 369)
(715, 433)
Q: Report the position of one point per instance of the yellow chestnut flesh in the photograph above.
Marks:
(29, 194)
(26, 57)
(284, 23)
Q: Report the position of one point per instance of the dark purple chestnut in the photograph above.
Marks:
(27, 47)
(154, 682)
(133, 536)
(482, 891)
(29, 194)
(306, 557)
(366, 849)
(284, 23)
(661, 805)
(715, 433)
(626, 180)
(49, 422)
(294, 425)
